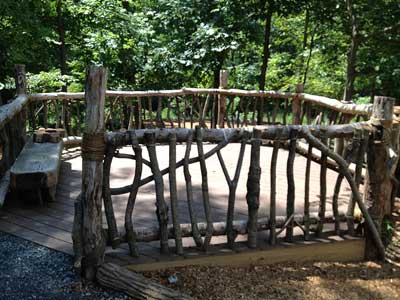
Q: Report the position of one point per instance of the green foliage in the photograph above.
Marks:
(173, 43)
(51, 81)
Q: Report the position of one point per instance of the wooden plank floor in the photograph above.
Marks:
(51, 225)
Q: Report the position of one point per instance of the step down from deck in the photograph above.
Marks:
(35, 172)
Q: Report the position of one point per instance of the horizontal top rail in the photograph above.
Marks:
(232, 135)
(165, 93)
(8, 111)
(348, 108)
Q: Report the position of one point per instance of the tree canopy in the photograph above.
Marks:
(343, 49)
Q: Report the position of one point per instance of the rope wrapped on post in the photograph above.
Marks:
(93, 146)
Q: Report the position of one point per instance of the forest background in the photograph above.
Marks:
(345, 49)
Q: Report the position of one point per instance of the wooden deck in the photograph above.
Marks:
(51, 225)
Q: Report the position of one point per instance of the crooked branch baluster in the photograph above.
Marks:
(347, 155)
(322, 200)
(291, 185)
(108, 206)
(189, 192)
(204, 188)
(272, 208)
(363, 143)
(174, 194)
(307, 194)
(232, 184)
(130, 233)
(162, 208)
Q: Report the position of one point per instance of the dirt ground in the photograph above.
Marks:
(311, 281)
(317, 281)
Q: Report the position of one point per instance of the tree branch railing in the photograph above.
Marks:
(253, 119)
(276, 225)
(12, 130)
(189, 107)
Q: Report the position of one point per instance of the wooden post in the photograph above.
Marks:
(18, 127)
(296, 105)
(93, 144)
(379, 186)
(223, 84)
(253, 189)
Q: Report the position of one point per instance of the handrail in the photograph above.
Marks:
(348, 108)
(8, 111)
(164, 93)
(216, 135)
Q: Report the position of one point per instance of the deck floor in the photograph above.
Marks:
(51, 225)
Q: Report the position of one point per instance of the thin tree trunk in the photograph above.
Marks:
(266, 52)
(61, 39)
(352, 55)
(309, 55)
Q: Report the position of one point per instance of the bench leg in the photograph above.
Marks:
(51, 193)
(39, 196)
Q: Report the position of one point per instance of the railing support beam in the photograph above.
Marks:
(223, 84)
(296, 105)
(93, 142)
(379, 186)
(17, 129)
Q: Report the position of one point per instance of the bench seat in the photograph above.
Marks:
(36, 169)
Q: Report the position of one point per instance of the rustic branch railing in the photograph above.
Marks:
(189, 107)
(293, 122)
(12, 130)
(255, 136)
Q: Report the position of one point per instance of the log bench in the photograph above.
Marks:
(34, 174)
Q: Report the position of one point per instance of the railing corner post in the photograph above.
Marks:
(378, 187)
(93, 145)
(18, 128)
(223, 84)
(296, 105)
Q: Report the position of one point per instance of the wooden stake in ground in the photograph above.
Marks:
(93, 145)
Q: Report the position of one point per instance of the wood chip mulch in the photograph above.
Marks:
(317, 281)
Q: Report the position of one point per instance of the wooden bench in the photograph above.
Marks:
(35, 172)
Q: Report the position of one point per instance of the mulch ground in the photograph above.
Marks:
(317, 281)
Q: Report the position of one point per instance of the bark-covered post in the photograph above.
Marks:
(253, 189)
(296, 105)
(93, 145)
(18, 127)
(223, 84)
(379, 185)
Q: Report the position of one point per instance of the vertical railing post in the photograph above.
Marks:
(378, 187)
(93, 145)
(223, 84)
(296, 105)
(18, 127)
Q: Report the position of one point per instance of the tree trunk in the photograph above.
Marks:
(266, 52)
(309, 55)
(352, 55)
(61, 39)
